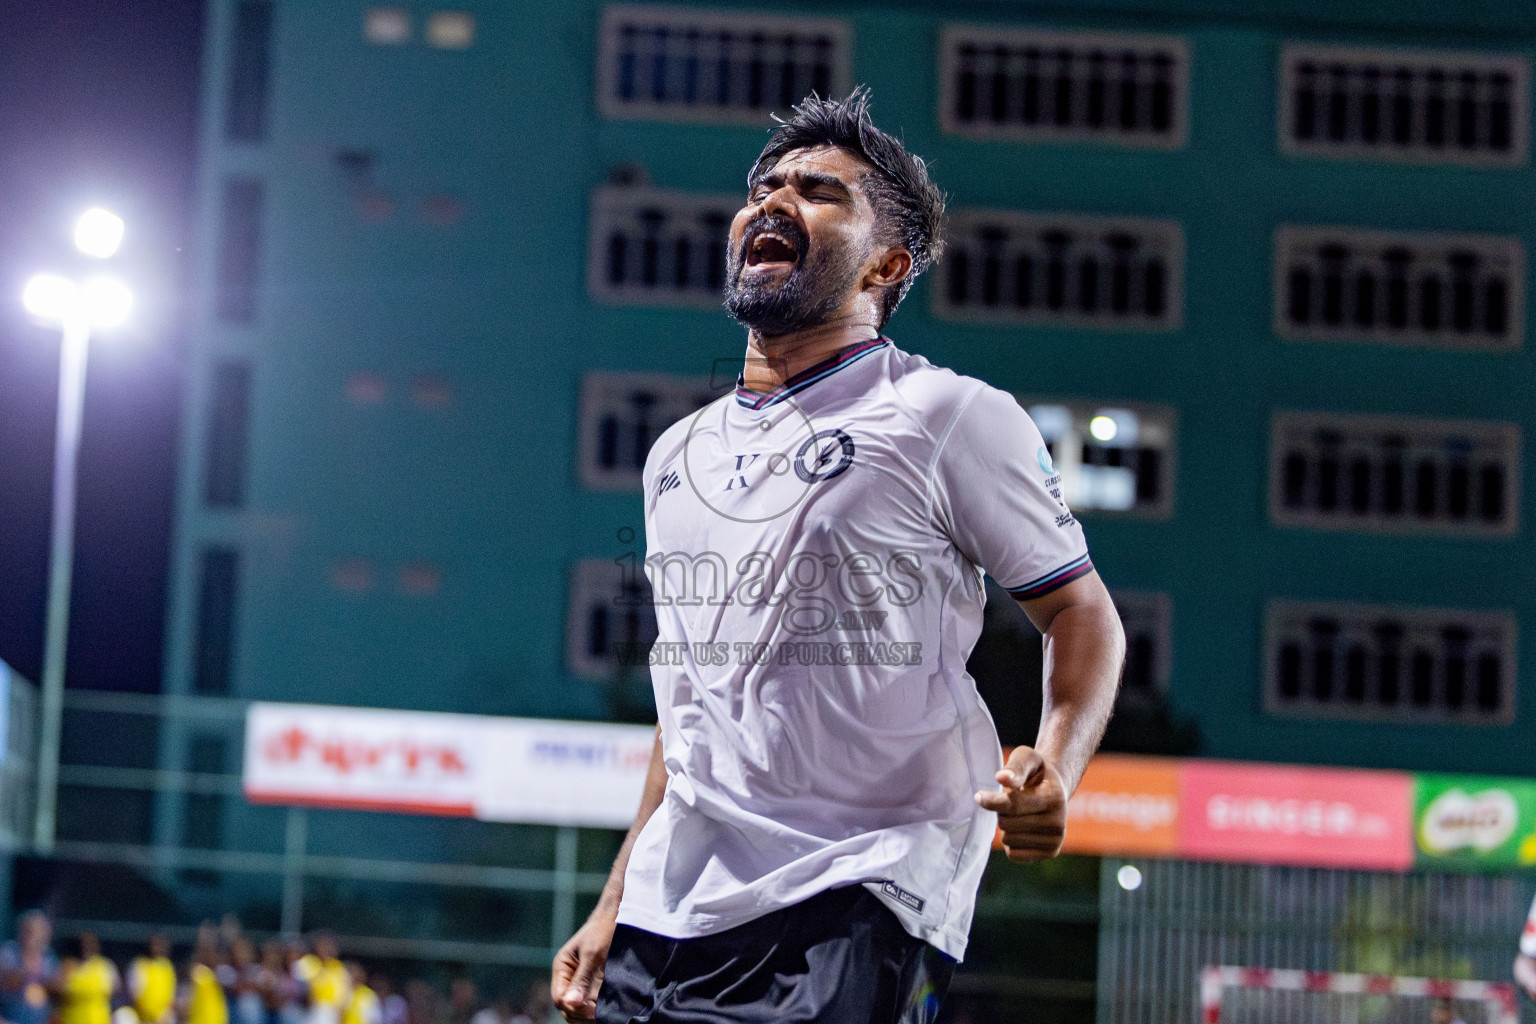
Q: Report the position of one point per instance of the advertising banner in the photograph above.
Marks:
(1315, 817)
(498, 769)
(1127, 805)
(1474, 822)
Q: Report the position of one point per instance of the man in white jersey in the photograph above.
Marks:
(826, 781)
(1525, 960)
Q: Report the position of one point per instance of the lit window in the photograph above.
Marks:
(610, 622)
(419, 579)
(1423, 106)
(430, 391)
(1394, 475)
(1064, 86)
(375, 205)
(366, 388)
(1108, 273)
(676, 63)
(1417, 664)
(441, 211)
(622, 415)
(387, 26)
(1111, 458)
(451, 30)
(353, 575)
(1396, 287)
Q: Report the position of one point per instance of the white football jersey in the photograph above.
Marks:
(816, 558)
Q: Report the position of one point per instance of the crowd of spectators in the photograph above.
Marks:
(228, 979)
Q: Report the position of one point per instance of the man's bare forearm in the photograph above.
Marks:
(650, 799)
(1084, 651)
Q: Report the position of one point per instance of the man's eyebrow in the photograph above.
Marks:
(804, 179)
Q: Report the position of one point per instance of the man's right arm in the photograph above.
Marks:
(578, 967)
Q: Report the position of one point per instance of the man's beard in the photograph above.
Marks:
(809, 296)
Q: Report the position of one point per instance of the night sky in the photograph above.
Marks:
(98, 105)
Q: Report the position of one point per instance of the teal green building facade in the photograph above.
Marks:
(402, 290)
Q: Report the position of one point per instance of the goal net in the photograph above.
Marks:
(1257, 995)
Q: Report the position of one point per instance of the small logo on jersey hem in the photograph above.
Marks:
(911, 901)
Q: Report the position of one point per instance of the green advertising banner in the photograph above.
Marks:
(1477, 822)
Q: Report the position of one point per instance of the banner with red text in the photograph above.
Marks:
(497, 769)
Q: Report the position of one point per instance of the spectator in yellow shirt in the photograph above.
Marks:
(203, 997)
(152, 982)
(363, 1005)
(327, 981)
(87, 984)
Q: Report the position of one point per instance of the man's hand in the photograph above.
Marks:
(1031, 806)
(1525, 974)
(578, 969)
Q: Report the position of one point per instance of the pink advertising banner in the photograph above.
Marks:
(1291, 815)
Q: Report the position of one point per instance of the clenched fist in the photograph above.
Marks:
(578, 969)
(1031, 806)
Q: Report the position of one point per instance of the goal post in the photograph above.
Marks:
(1267, 994)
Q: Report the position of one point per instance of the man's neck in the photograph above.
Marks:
(772, 361)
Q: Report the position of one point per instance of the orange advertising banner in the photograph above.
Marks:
(1126, 804)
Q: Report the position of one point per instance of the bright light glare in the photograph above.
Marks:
(1103, 427)
(1129, 877)
(98, 232)
(50, 297)
(107, 301)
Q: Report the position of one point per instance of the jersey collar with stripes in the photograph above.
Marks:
(805, 378)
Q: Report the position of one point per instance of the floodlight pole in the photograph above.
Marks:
(72, 355)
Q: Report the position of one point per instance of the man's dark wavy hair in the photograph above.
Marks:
(909, 208)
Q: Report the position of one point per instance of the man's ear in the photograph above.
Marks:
(892, 269)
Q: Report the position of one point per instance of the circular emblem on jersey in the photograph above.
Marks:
(1046, 466)
(824, 455)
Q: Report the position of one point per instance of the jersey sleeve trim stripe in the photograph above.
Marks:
(1075, 569)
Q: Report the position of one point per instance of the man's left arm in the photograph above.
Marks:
(1084, 652)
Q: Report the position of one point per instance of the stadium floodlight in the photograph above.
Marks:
(98, 232)
(1129, 877)
(75, 308)
(50, 298)
(105, 301)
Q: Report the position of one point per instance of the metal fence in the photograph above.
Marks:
(1155, 939)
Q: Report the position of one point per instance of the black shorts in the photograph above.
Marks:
(838, 958)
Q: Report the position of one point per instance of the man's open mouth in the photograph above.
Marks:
(770, 248)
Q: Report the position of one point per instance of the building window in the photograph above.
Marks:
(1076, 271)
(387, 26)
(245, 118)
(214, 643)
(1443, 290)
(1111, 458)
(622, 415)
(1415, 664)
(229, 415)
(202, 824)
(610, 623)
(1064, 86)
(451, 30)
(1419, 106)
(431, 391)
(1145, 617)
(1381, 474)
(673, 63)
(419, 579)
(239, 257)
(656, 247)
(352, 575)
